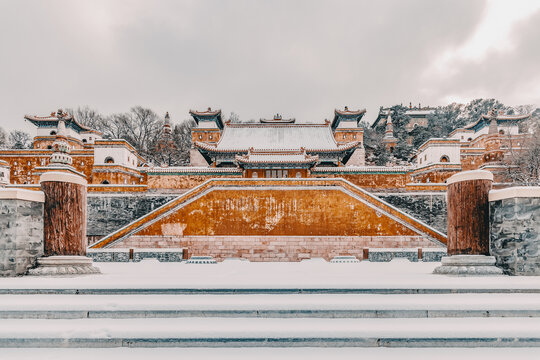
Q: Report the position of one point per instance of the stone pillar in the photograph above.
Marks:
(515, 229)
(468, 225)
(65, 240)
(65, 213)
(21, 230)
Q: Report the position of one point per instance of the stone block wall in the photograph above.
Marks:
(427, 207)
(109, 212)
(274, 248)
(21, 230)
(515, 230)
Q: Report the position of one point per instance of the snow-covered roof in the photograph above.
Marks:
(242, 137)
(289, 157)
(501, 118)
(52, 121)
(414, 113)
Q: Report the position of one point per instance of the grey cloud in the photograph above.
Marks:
(299, 58)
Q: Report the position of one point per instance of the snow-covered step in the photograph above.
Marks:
(271, 306)
(226, 332)
(271, 353)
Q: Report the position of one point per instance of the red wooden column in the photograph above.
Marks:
(64, 213)
(468, 226)
(468, 212)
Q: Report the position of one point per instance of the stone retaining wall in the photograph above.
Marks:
(275, 248)
(21, 230)
(427, 207)
(109, 212)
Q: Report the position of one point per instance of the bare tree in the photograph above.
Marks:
(20, 140)
(3, 139)
(89, 117)
(523, 159)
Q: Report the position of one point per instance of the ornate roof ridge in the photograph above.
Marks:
(349, 112)
(208, 112)
(271, 123)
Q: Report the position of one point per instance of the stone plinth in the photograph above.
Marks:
(466, 265)
(468, 225)
(64, 265)
(515, 229)
(21, 230)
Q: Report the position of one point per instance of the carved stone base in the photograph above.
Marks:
(64, 265)
(468, 265)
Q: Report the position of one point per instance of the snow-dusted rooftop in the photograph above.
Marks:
(311, 137)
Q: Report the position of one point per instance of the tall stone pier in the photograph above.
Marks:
(468, 225)
(515, 229)
(64, 214)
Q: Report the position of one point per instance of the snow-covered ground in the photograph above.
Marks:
(269, 302)
(272, 353)
(399, 274)
(208, 328)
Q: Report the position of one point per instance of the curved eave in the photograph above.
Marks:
(339, 114)
(207, 116)
(338, 149)
(484, 120)
(274, 121)
(36, 120)
(244, 160)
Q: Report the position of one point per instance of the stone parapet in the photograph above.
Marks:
(21, 230)
(515, 229)
(385, 255)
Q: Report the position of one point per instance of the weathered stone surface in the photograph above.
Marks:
(21, 235)
(171, 255)
(122, 255)
(64, 265)
(109, 212)
(385, 255)
(271, 248)
(515, 239)
(468, 265)
(429, 208)
(433, 255)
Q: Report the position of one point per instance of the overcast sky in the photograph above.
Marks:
(255, 58)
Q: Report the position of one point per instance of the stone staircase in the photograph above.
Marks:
(267, 318)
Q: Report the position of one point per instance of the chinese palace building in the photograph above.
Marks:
(274, 190)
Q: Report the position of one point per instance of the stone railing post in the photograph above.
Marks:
(515, 229)
(468, 225)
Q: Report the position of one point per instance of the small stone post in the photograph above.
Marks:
(468, 225)
(64, 227)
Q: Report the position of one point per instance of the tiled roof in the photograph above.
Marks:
(288, 157)
(311, 137)
(192, 169)
(362, 169)
(36, 120)
(484, 120)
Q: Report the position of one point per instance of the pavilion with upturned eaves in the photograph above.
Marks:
(278, 147)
